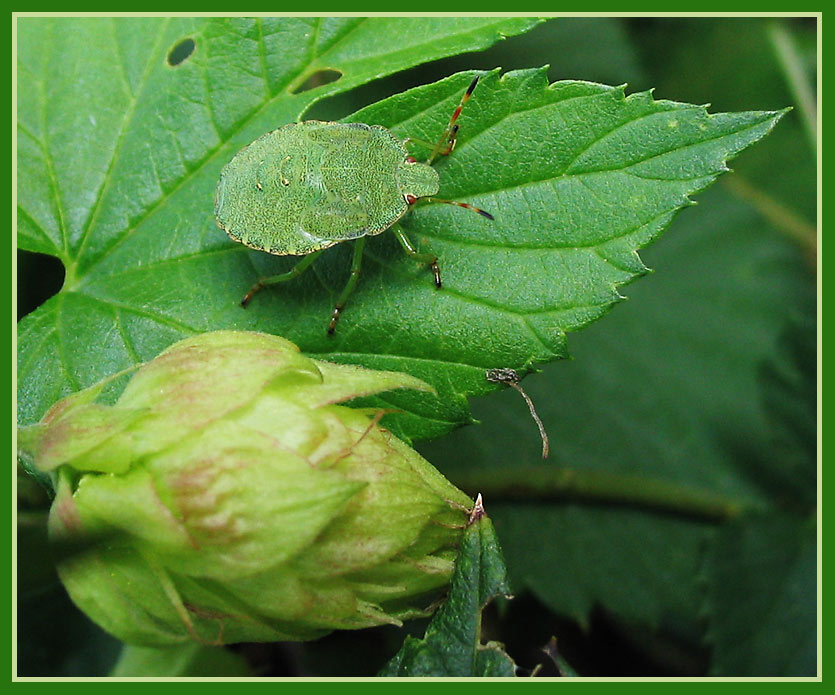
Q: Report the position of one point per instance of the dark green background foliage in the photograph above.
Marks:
(672, 530)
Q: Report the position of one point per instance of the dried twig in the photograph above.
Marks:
(507, 376)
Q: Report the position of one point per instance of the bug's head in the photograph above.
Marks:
(416, 180)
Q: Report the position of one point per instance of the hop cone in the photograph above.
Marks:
(226, 497)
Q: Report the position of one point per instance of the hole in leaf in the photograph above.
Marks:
(318, 79)
(39, 277)
(180, 52)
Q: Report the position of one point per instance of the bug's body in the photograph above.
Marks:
(307, 186)
(310, 185)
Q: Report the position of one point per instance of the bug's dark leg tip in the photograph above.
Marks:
(488, 215)
(249, 295)
(337, 310)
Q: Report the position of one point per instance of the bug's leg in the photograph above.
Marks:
(431, 145)
(356, 264)
(451, 140)
(430, 259)
(447, 141)
(294, 272)
(419, 141)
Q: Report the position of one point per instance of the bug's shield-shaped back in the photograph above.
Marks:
(307, 186)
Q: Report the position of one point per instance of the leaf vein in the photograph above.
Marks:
(120, 60)
(552, 247)
(38, 228)
(23, 367)
(117, 319)
(123, 130)
(210, 110)
(154, 316)
(314, 40)
(59, 346)
(262, 57)
(44, 142)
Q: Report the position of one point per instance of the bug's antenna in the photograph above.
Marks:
(463, 205)
(447, 141)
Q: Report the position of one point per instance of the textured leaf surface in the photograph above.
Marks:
(452, 644)
(117, 176)
(673, 395)
(119, 154)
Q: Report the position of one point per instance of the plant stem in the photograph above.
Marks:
(791, 64)
(537, 484)
(785, 220)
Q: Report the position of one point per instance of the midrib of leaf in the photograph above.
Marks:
(315, 39)
(596, 172)
(262, 58)
(123, 129)
(208, 106)
(53, 180)
(71, 378)
(665, 153)
(619, 127)
(552, 246)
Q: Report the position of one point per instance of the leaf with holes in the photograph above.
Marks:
(121, 137)
(117, 173)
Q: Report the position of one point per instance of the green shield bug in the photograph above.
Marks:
(307, 186)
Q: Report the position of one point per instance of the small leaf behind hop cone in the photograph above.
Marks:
(452, 644)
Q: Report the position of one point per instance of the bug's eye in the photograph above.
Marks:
(410, 199)
(411, 160)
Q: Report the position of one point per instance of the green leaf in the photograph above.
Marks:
(194, 660)
(116, 171)
(118, 181)
(699, 70)
(762, 598)
(789, 386)
(452, 644)
(660, 423)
